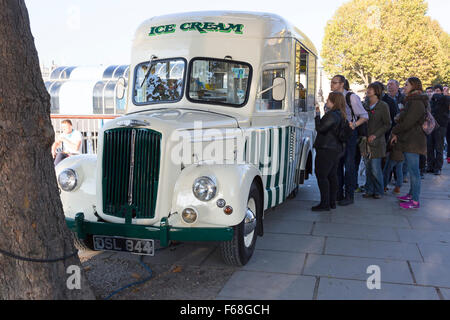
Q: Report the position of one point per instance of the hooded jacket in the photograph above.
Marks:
(411, 137)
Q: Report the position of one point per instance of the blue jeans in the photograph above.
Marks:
(412, 159)
(347, 177)
(405, 168)
(374, 177)
(388, 167)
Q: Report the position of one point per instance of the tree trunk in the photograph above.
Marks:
(31, 217)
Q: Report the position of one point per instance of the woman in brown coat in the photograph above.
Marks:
(411, 139)
(379, 123)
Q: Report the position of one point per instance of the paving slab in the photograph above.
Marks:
(432, 274)
(251, 285)
(360, 207)
(337, 289)
(372, 249)
(275, 225)
(429, 223)
(356, 268)
(291, 243)
(290, 211)
(423, 236)
(383, 220)
(431, 208)
(350, 231)
(435, 253)
(445, 293)
(276, 261)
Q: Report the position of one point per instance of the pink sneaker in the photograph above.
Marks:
(410, 205)
(405, 198)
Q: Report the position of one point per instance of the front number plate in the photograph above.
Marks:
(136, 246)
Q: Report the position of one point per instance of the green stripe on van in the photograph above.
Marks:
(286, 161)
(269, 177)
(277, 177)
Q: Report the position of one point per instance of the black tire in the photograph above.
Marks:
(83, 244)
(235, 252)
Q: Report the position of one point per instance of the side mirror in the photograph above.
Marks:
(279, 89)
(120, 88)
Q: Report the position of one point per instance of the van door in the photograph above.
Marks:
(274, 132)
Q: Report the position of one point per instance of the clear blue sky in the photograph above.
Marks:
(93, 32)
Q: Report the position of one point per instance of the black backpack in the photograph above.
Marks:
(344, 132)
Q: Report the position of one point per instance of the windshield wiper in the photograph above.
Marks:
(153, 57)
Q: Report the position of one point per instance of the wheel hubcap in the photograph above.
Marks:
(250, 223)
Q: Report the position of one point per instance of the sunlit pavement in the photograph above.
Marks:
(309, 255)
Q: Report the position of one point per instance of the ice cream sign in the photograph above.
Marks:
(202, 27)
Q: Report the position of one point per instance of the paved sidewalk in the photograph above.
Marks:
(308, 255)
(305, 255)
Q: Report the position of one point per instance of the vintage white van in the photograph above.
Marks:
(218, 129)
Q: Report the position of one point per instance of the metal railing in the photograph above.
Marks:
(88, 125)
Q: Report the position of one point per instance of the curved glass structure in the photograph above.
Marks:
(108, 73)
(54, 94)
(56, 73)
(103, 86)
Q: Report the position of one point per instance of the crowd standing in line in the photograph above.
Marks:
(388, 130)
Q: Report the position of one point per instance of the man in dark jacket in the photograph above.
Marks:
(393, 90)
(439, 110)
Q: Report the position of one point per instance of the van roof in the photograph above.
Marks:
(256, 25)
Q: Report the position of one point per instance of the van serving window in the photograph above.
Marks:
(222, 82)
(163, 83)
(267, 102)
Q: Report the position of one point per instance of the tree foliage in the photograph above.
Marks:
(368, 40)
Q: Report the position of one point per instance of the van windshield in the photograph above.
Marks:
(221, 82)
(163, 83)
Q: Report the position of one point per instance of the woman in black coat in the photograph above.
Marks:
(329, 149)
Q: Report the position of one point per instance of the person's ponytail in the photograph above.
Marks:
(346, 85)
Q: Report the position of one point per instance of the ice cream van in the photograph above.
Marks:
(218, 129)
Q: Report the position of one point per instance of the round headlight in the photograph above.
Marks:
(67, 179)
(189, 215)
(204, 188)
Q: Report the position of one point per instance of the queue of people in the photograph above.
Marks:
(387, 131)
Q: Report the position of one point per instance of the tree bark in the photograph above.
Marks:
(31, 216)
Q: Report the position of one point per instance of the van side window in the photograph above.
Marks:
(267, 102)
(301, 66)
(311, 100)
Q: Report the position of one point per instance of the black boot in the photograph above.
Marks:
(320, 207)
(347, 200)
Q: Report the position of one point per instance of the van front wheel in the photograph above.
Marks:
(240, 249)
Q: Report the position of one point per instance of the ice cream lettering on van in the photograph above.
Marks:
(202, 27)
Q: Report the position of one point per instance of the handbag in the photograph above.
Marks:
(364, 148)
(430, 123)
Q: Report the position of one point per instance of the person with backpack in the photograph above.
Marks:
(329, 148)
(408, 133)
(379, 123)
(356, 116)
(439, 110)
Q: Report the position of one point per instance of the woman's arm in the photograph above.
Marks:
(325, 123)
